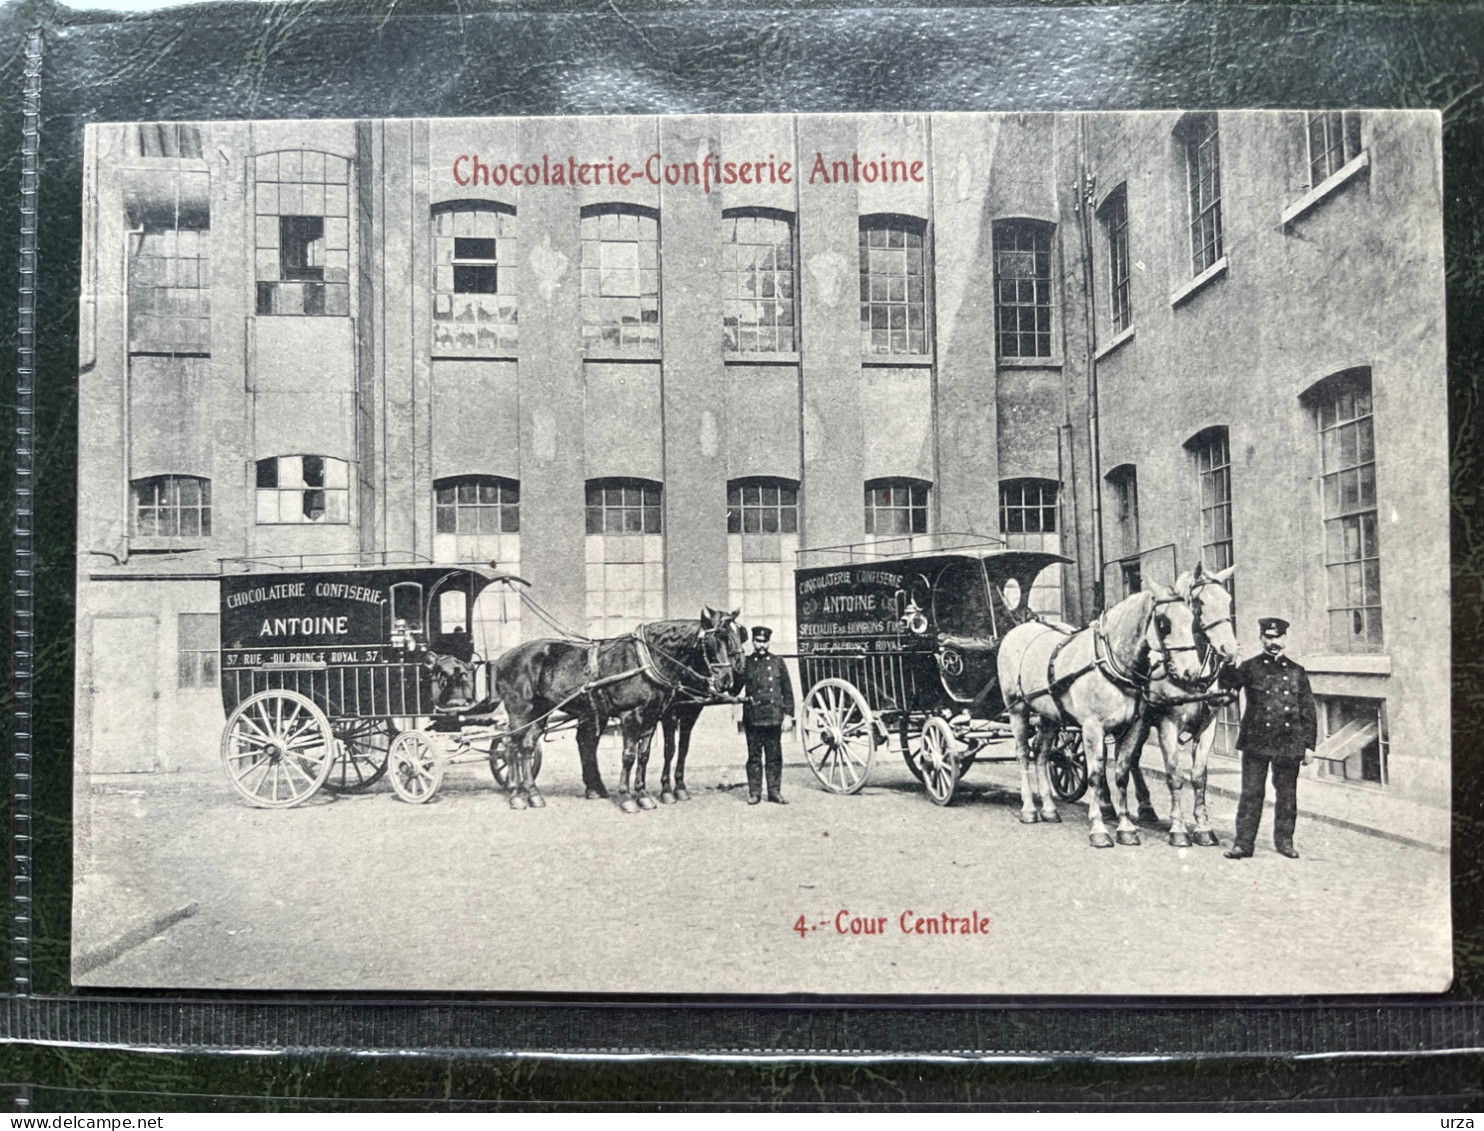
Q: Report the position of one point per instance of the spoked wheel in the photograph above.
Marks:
(938, 761)
(1066, 766)
(500, 759)
(277, 748)
(839, 735)
(415, 767)
(361, 760)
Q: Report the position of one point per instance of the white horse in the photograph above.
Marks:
(1095, 678)
(1182, 710)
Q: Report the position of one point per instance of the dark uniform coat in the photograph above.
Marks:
(1280, 719)
(769, 691)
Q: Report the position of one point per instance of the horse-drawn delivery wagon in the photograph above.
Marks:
(326, 673)
(901, 651)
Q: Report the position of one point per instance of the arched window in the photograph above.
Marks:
(893, 285)
(762, 541)
(476, 519)
(1211, 450)
(1023, 288)
(758, 281)
(1341, 407)
(302, 207)
(620, 278)
(896, 507)
(1029, 520)
(1114, 217)
(172, 506)
(475, 311)
(625, 555)
(303, 489)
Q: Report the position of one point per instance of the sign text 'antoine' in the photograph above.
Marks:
(706, 173)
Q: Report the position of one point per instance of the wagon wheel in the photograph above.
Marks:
(415, 765)
(277, 748)
(909, 755)
(361, 759)
(500, 762)
(1066, 766)
(839, 735)
(938, 761)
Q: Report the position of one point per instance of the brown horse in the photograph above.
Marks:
(634, 678)
(1096, 678)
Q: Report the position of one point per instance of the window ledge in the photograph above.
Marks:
(1215, 271)
(760, 357)
(1353, 664)
(153, 544)
(473, 356)
(1029, 363)
(1119, 339)
(897, 360)
(1327, 187)
(621, 355)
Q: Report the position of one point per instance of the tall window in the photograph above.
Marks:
(476, 518)
(1212, 452)
(1352, 557)
(620, 278)
(196, 650)
(169, 139)
(1115, 228)
(1201, 141)
(1029, 521)
(303, 489)
(1334, 138)
(762, 540)
(758, 278)
(172, 506)
(625, 555)
(1022, 276)
(474, 302)
(893, 285)
(896, 507)
(303, 233)
(170, 282)
(1123, 510)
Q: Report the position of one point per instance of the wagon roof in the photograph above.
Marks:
(266, 570)
(997, 563)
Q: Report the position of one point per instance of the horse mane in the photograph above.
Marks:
(1124, 625)
(676, 644)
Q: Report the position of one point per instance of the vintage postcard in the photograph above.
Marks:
(972, 554)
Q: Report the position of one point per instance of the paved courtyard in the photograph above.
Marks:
(187, 886)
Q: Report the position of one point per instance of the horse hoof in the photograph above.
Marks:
(666, 797)
(1051, 818)
(518, 802)
(1127, 837)
(537, 801)
(629, 805)
(1207, 838)
(1100, 840)
(1147, 815)
(596, 794)
(647, 802)
(1179, 840)
(1030, 818)
(682, 794)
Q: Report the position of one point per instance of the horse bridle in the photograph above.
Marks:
(1208, 672)
(713, 648)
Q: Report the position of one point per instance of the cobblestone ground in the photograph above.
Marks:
(706, 896)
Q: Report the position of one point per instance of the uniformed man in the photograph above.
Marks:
(767, 703)
(1279, 728)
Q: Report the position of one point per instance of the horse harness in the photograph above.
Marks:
(1198, 687)
(1103, 660)
(597, 683)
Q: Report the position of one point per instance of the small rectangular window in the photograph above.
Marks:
(196, 651)
(301, 242)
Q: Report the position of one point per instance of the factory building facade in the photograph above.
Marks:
(645, 361)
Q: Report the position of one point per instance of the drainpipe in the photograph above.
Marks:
(1086, 195)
